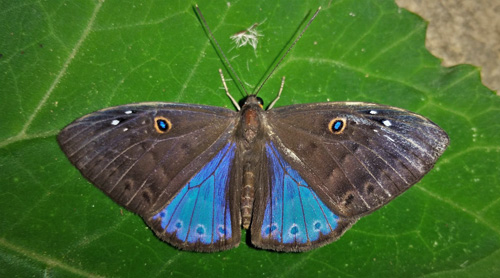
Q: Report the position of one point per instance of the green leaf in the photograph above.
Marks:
(62, 60)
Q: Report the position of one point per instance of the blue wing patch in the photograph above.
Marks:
(294, 214)
(200, 211)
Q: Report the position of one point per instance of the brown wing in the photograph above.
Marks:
(142, 155)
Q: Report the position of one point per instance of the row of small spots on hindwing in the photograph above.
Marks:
(186, 222)
(317, 219)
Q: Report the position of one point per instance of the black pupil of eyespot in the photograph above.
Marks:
(162, 125)
(337, 125)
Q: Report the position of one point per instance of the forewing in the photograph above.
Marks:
(124, 152)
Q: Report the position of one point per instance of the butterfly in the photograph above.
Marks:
(296, 176)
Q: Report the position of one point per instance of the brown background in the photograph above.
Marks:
(463, 31)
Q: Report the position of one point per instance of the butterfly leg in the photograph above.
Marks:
(227, 91)
(279, 94)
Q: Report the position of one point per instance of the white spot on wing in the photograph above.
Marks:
(125, 129)
(387, 122)
(115, 122)
(128, 112)
(373, 112)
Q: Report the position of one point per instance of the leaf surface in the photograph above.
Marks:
(62, 60)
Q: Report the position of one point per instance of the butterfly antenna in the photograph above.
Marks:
(219, 48)
(288, 50)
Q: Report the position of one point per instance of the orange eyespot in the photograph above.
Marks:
(337, 125)
(162, 124)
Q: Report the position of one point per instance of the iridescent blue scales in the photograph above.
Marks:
(294, 213)
(299, 175)
(200, 211)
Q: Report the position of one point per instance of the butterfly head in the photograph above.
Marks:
(251, 101)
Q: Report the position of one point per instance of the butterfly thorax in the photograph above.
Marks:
(250, 133)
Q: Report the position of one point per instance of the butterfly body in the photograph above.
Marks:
(296, 176)
(250, 146)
